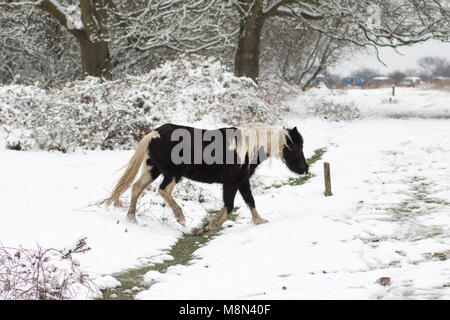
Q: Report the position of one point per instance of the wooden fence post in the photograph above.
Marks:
(327, 177)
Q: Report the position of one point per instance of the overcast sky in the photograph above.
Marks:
(394, 61)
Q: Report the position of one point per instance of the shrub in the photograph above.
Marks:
(43, 274)
(334, 111)
(90, 114)
(19, 139)
(333, 105)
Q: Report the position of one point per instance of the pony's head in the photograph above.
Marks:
(293, 152)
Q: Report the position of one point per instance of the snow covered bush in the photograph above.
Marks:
(335, 110)
(64, 128)
(43, 274)
(333, 105)
(91, 114)
(278, 89)
(19, 139)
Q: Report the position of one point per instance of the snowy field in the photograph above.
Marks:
(389, 215)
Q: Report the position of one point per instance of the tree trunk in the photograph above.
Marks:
(95, 59)
(248, 49)
(92, 36)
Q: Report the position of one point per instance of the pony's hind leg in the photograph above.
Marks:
(148, 175)
(165, 190)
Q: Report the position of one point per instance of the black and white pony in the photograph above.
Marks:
(232, 161)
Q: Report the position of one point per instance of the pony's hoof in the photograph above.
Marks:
(259, 221)
(211, 224)
(182, 221)
(118, 203)
(132, 219)
(201, 231)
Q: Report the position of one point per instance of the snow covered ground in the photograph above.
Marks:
(389, 215)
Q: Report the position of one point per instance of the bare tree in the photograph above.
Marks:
(136, 28)
(397, 76)
(359, 22)
(86, 20)
(362, 23)
(366, 73)
(35, 48)
(183, 26)
(432, 67)
(293, 51)
(196, 25)
(325, 51)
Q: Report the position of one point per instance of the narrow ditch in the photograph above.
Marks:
(132, 280)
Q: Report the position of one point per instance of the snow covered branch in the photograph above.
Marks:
(43, 274)
(185, 26)
(68, 16)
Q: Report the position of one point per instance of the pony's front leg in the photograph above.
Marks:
(246, 193)
(256, 218)
(165, 190)
(217, 221)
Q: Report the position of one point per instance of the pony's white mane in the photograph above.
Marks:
(260, 135)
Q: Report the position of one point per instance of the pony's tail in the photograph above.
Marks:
(131, 171)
